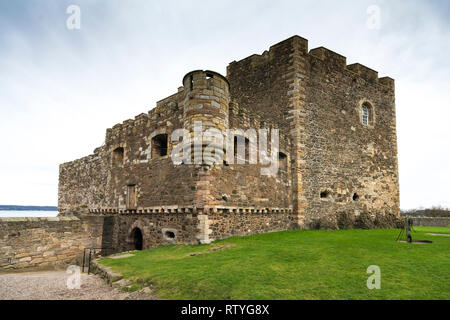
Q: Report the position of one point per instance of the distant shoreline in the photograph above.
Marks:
(27, 208)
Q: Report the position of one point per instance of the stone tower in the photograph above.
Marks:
(206, 102)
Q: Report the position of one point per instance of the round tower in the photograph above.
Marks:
(206, 103)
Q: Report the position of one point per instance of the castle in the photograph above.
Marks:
(337, 155)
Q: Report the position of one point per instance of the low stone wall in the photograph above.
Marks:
(224, 225)
(45, 242)
(432, 221)
(190, 228)
(118, 231)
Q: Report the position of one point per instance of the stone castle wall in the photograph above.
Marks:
(172, 197)
(230, 224)
(119, 234)
(267, 85)
(431, 221)
(337, 169)
(354, 163)
(83, 184)
(338, 164)
(95, 184)
(160, 184)
(190, 228)
(44, 242)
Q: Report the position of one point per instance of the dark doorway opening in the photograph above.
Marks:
(136, 236)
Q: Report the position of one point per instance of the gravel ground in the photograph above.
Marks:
(52, 285)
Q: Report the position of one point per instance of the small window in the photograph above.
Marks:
(366, 114)
(170, 235)
(159, 146)
(117, 157)
(355, 197)
(282, 160)
(239, 143)
(325, 194)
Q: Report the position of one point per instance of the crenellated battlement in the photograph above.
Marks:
(339, 62)
(364, 72)
(128, 123)
(274, 52)
(141, 118)
(337, 153)
(82, 162)
(329, 58)
(388, 82)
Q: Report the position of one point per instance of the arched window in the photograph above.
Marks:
(366, 114)
(159, 146)
(117, 157)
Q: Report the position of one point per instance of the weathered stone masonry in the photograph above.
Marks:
(338, 167)
(337, 137)
(44, 242)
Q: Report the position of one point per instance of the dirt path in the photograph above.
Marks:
(52, 285)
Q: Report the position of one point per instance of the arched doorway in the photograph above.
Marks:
(136, 237)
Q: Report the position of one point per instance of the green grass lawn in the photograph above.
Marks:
(297, 265)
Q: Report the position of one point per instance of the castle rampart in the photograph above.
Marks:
(44, 242)
(337, 155)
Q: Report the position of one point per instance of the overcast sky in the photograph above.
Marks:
(60, 89)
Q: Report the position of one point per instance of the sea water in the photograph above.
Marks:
(27, 213)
